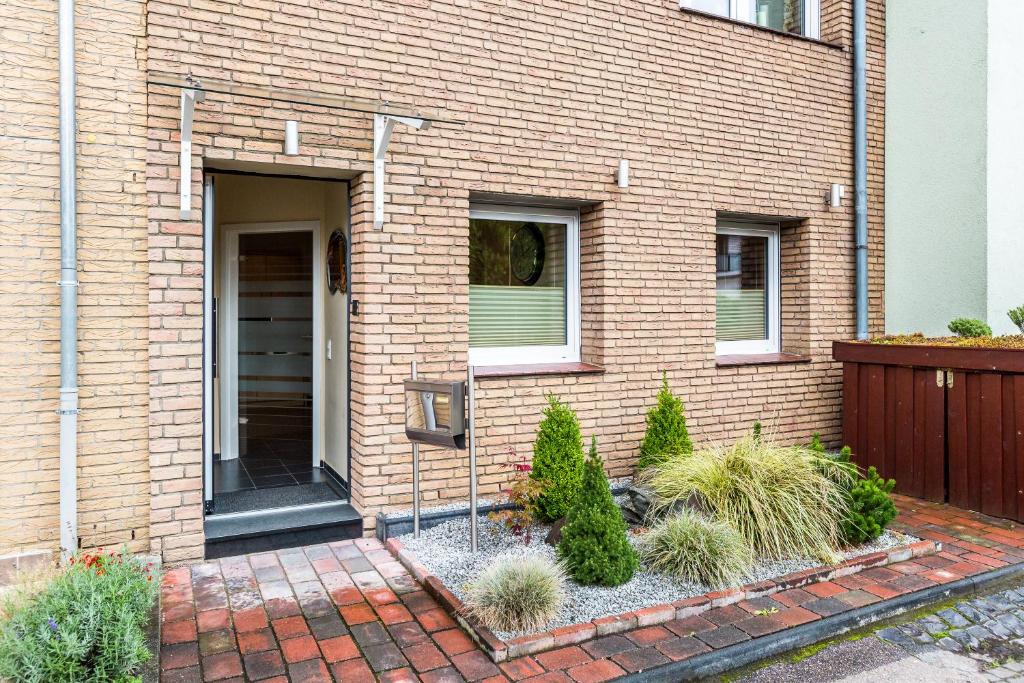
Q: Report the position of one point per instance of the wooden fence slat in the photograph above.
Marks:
(1008, 446)
(989, 455)
(935, 436)
(956, 441)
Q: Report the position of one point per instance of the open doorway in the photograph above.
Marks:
(280, 346)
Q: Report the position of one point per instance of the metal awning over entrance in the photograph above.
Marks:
(385, 116)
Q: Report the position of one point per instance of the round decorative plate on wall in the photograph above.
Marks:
(526, 253)
(337, 255)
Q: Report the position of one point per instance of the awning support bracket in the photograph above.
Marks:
(383, 126)
(189, 97)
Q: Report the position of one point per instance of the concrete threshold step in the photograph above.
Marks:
(238, 534)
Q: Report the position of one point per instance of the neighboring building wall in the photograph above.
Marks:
(1005, 162)
(713, 116)
(113, 439)
(955, 164)
(935, 194)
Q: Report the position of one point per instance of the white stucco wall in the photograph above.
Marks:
(1005, 161)
(935, 152)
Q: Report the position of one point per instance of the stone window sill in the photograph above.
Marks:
(536, 370)
(760, 359)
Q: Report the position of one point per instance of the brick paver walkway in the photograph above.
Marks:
(347, 611)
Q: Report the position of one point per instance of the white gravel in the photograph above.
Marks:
(444, 550)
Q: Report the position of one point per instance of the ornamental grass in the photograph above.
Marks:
(517, 593)
(694, 548)
(786, 501)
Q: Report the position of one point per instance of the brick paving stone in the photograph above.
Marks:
(425, 656)
(338, 649)
(448, 674)
(353, 671)
(360, 613)
(289, 627)
(264, 665)
(723, 636)
(408, 633)
(725, 615)
(562, 658)
(299, 649)
(256, 641)
(220, 666)
(454, 641)
(178, 632)
(826, 607)
(393, 614)
(213, 620)
(649, 635)
(682, 648)
(310, 671)
(640, 660)
(475, 665)
(521, 668)
(179, 655)
(596, 671)
(327, 626)
(689, 626)
(405, 675)
(606, 646)
(250, 619)
(384, 656)
(372, 633)
(216, 641)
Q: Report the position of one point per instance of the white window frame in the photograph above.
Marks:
(530, 355)
(740, 11)
(773, 344)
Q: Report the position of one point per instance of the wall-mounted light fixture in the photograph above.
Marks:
(835, 195)
(622, 174)
(291, 138)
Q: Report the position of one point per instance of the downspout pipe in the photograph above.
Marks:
(68, 409)
(860, 161)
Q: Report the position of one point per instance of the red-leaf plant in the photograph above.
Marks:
(522, 494)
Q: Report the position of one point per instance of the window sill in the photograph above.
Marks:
(763, 29)
(760, 359)
(536, 370)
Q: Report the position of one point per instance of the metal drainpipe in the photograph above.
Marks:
(68, 409)
(860, 161)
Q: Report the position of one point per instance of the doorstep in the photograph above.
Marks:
(753, 594)
(253, 532)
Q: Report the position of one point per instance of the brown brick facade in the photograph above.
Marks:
(714, 117)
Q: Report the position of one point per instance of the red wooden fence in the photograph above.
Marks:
(946, 423)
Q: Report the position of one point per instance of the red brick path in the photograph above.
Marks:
(349, 612)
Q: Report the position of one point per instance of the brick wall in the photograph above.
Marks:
(713, 116)
(113, 441)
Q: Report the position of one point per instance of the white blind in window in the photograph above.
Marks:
(516, 316)
(740, 314)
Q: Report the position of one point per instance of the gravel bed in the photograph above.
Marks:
(444, 550)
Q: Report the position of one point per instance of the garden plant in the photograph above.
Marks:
(694, 548)
(870, 508)
(594, 546)
(86, 624)
(522, 495)
(666, 433)
(1017, 317)
(786, 501)
(517, 593)
(557, 461)
(969, 328)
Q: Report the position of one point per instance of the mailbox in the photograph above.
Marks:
(435, 413)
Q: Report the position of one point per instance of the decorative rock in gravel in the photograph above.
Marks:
(554, 536)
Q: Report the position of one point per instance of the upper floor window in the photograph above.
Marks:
(802, 17)
(524, 286)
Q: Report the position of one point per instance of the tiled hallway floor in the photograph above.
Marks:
(347, 611)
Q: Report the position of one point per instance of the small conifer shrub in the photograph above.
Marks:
(871, 508)
(557, 461)
(666, 433)
(594, 546)
(970, 328)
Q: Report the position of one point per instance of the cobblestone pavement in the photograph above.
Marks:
(977, 639)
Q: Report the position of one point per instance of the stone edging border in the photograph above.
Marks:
(500, 651)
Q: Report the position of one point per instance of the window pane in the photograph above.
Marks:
(742, 300)
(711, 6)
(781, 15)
(517, 283)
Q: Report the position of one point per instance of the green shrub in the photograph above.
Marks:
(816, 445)
(85, 625)
(594, 546)
(786, 501)
(557, 461)
(1017, 317)
(870, 508)
(517, 593)
(969, 327)
(666, 433)
(697, 549)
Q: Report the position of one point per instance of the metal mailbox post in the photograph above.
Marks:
(435, 413)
